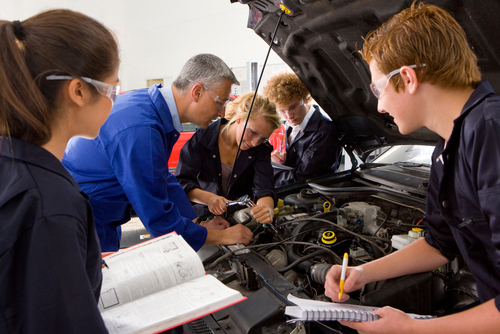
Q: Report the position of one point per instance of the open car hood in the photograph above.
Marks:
(319, 40)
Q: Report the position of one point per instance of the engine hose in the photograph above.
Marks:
(291, 249)
(318, 272)
(301, 260)
(205, 216)
(325, 215)
(378, 251)
(292, 252)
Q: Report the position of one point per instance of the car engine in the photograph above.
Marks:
(312, 229)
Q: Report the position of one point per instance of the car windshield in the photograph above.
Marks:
(418, 154)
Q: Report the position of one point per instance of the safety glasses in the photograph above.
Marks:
(220, 103)
(378, 86)
(254, 134)
(103, 88)
(292, 108)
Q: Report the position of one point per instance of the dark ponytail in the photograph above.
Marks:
(61, 42)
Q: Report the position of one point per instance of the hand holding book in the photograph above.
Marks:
(390, 320)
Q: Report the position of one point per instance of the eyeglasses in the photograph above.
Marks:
(254, 134)
(218, 101)
(376, 86)
(293, 107)
(103, 88)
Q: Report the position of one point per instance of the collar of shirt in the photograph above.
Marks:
(303, 125)
(33, 154)
(482, 91)
(168, 95)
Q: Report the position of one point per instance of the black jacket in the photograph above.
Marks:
(50, 258)
(313, 152)
(199, 166)
(463, 197)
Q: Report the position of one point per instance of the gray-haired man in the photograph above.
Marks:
(127, 164)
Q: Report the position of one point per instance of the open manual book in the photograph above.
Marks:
(157, 285)
(307, 309)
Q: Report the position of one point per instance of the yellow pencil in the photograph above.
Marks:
(342, 276)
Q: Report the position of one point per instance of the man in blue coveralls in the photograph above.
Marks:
(127, 164)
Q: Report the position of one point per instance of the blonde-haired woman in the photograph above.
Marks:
(205, 169)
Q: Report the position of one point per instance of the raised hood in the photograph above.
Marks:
(319, 40)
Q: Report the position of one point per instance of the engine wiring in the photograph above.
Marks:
(323, 249)
(342, 229)
(231, 252)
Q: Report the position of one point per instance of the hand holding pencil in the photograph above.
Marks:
(279, 155)
(341, 280)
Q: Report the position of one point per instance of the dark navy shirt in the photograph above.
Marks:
(50, 258)
(199, 166)
(313, 152)
(463, 197)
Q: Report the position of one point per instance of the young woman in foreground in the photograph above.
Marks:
(58, 74)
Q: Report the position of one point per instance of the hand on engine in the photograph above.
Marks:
(217, 223)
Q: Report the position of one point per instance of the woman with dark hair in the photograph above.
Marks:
(206, 168)
(58, 74)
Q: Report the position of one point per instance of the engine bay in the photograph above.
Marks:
(313, 227)
(315, 223)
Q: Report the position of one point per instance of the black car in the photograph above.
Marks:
(373, 209)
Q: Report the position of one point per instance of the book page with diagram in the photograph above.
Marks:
(171, 307)
(148, 268)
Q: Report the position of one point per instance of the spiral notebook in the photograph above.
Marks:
(307, 310)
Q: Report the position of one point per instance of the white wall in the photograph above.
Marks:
(157, 36)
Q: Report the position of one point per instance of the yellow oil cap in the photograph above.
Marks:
(281, 202)
(329, 237)
(417, 229)
(276, 211)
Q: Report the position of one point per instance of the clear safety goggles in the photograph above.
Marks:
(103, 88)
